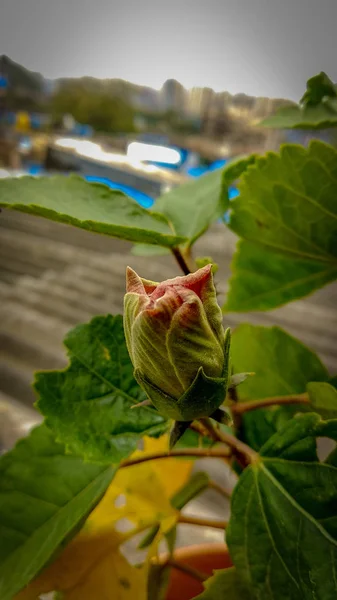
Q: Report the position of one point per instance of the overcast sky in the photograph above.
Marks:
(260, 47)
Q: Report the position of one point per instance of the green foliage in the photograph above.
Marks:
(90, 206)
(323, 398)
(44, 495)
(191, 439)
(233, 171)
(202, 261)
(317, 108)
(93, 107)
(193, 206)
(286, 214)
(88, 405)
(319, 87)
(224, 585)
(283, 366)
(322, 116)
(263, 280)
(149, 250)
(282, 533)
(197, 484)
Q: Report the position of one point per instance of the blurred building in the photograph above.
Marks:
(173, 96)
(199, 101)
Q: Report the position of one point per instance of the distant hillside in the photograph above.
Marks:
(26, 85)
(21, 78)
(116, 87)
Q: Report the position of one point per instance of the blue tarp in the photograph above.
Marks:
(142, 199)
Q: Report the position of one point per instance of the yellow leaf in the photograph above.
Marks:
(142, 493)
(172, 472)
(91, 566)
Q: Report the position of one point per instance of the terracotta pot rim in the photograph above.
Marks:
(197, 549)
(204, 557)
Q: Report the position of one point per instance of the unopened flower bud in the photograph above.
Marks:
(177, 343)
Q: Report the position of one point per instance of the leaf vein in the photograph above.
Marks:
(265, 520)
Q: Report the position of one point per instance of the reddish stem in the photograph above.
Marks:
(243, 407)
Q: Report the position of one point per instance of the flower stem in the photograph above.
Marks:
(181, 261)
(202, 522)
(213, 485)
(171, 562)
(243, 453)
(242, 407)
(184, 452)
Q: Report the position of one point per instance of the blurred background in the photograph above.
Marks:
(140, 96)
(143, 96)
(113, 128)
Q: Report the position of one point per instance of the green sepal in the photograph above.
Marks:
(163, 402)
(177, 431)
(201, 399)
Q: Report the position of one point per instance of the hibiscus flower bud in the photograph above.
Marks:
(177, 343)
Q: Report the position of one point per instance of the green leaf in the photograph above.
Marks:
(202, 261)
(322, 116)
(319, 87)
(317, 109)
(193, 206)
(224, 585)
(282, 366)
(44, 495)
(158, 581)
(90, 206)
(88, 405)
(149, 250)
(192, 439)
(284, 517)
(323, 398)
(333, 381)
(233, 171)
(287, 214)
(296, 440)
(197, 484)
(235, 168)
(263, 280)
(149, 537)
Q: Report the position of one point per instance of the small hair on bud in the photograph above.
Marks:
(143, 403)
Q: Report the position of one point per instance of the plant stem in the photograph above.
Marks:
(186, 569)
(199, 428)
(203, 431)
(233, 396)
(243, 453)
(243, 407)
(181, 261)
(213, 485)
(184, 452)
(202, 522)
